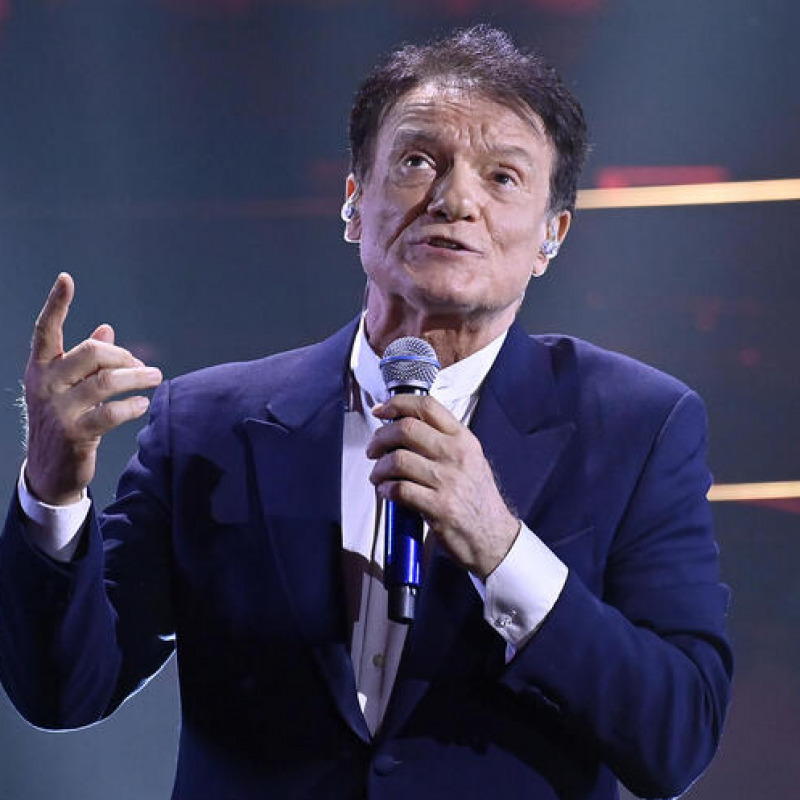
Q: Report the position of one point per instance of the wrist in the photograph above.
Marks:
(508, 533)
(49, 497)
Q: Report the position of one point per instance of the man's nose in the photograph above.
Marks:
(454, 195)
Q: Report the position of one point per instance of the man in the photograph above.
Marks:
(570, 628)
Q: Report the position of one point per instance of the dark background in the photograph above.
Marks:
(185, 161)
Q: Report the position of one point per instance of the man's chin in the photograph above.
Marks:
(446, 302)
(453, 304)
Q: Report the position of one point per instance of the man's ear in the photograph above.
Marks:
(557, 229)
(350, 213)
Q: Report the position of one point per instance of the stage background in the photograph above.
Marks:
(185, 161)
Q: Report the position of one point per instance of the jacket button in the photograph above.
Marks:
(385, 764)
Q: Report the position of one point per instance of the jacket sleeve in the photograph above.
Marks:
(76, 639)
(643, 672)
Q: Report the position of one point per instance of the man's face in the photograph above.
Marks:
(454, 209)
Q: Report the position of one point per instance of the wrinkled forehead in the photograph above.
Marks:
(455, 101)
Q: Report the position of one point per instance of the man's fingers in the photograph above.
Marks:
(420, 424)
(405, 465)
(104, 417)
(48, 332)
(409, 433)
(103, 333)
(412, 495)
(90, 356)
(107, 383)
(423, 408)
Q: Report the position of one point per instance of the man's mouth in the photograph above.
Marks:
(447, 244)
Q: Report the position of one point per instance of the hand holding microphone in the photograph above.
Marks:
(431, 468)
(409, 366)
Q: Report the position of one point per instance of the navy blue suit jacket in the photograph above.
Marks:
(225, 538)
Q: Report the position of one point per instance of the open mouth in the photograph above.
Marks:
(445, 244)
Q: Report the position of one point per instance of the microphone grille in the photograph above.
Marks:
(409, 361)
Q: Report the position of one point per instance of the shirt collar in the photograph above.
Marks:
(456, 382)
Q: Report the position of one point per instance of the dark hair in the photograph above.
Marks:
(483, 59)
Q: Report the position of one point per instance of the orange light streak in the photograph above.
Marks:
(692, 194)
(774, 490)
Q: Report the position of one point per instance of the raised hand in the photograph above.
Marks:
(68, 399)
(432, 463)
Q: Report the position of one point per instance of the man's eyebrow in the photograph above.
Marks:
(405, 137)
(512, 153)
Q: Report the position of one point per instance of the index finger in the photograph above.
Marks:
(48, 332)
(422, 407)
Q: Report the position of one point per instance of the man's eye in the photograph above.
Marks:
(416, 160)
(504, 178)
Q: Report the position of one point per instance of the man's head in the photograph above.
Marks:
(485, 62)
(465, 159)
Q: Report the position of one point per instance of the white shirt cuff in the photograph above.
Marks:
(53, 529)
(522, 590)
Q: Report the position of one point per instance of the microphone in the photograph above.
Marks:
(409, 366)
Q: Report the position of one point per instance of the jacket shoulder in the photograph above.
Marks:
(247, 387)
(609, 374)
(234, 380)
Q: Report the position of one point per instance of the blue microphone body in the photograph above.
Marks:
(409, 366)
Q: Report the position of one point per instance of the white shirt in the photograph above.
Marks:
(517, 596)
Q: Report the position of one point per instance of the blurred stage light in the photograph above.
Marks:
(772, 490)
(664, 175)
(692, 194)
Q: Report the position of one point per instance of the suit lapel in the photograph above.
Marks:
(296, 453)
(520, 424)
